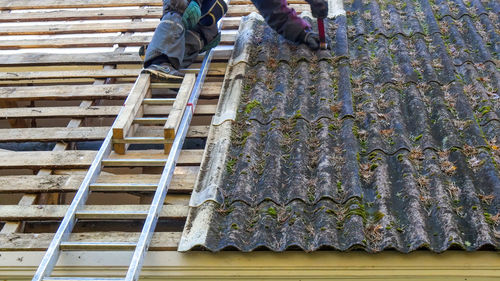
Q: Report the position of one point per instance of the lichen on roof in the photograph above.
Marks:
(388, 141)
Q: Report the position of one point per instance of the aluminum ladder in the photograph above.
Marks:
(175, 130)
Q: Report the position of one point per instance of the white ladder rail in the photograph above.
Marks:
(168, 172)
(51, 256)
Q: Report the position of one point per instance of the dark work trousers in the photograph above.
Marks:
(170, 39)
(180, 46)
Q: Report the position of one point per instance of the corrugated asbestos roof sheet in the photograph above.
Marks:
(389, 141)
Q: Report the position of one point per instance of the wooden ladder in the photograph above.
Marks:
(132, 115)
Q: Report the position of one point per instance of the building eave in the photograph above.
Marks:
(451, 265)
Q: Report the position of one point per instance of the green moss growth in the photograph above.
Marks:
(272, 212)
(400, 157)
(230, 165)
(489, 218)
(244, 138)
(339, 187)
(251, 105)
(484, 109)
(234, 226)
(297, 115)
(355, 131)
(377, 216)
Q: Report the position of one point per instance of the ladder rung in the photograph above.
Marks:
(167, 101)
(159, 85)
(114, 215)
(141, 140)
(150, 120)
(111, 246)
(81, 279)
(123, 187)
(134, 162)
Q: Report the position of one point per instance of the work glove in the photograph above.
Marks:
(191, 15)
(211, 44)
(319, 8)
(311, 39)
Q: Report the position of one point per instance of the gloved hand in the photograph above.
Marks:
(191, 15)
(211, 44)
(312, 40)
(319, 8)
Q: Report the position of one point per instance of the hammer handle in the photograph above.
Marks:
(321, 31)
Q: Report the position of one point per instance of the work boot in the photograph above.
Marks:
(163, 71)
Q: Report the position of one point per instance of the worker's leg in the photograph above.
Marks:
(168, 41)
(198, 40)
(194, 43)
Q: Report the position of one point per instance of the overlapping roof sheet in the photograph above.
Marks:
(388, 141)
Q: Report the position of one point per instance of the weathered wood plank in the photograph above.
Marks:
(189, 156)
(47, 159)
(130, 109)
(68, 111)
(59, 4)
(153, 12)
(82, 158)
(14, 123)
(78, 92)
(70, 15)
(216, 69)
(202, 109)
(83, 42)
(181, 182)
(161, 241)
(83, 133)
(77, 28)
(101, 73)
(91, 111)
(84, 28)
(35, 59)
(53, 134)
(228, 37)
(39, 59)
(178, 108)
(67, 92)
(47, 212)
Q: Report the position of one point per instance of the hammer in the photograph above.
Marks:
(321, 31)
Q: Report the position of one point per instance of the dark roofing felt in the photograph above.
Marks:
(387, 141)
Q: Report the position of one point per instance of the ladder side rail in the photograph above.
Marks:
(67, 224)
(51, 256)
(166, 177)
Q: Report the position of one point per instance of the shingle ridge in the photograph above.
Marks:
(308, 121)
(354, 246)
(472, 17)
(393, 35)
(290, 62)
(489, 121)
(409, 149)
(292, 200)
